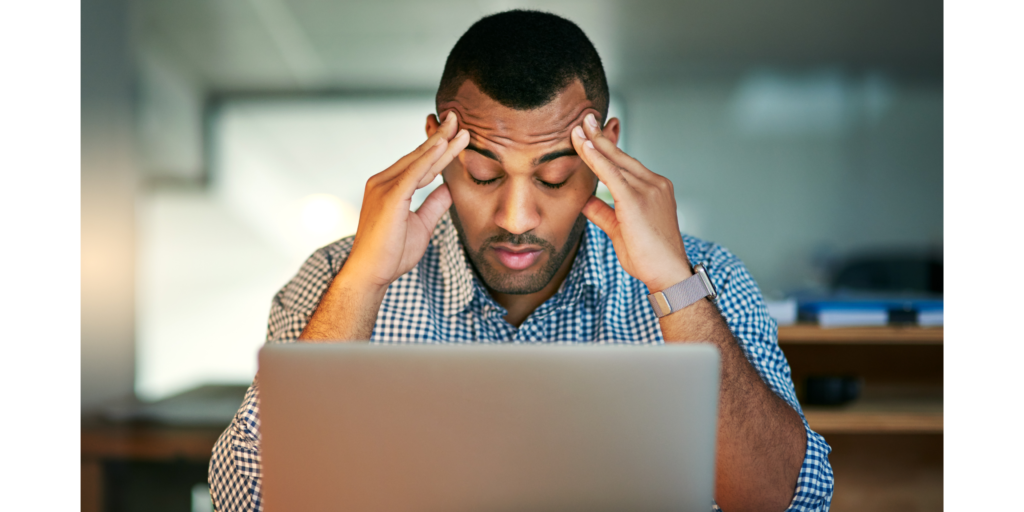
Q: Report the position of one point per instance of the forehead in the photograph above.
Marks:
(491, 122)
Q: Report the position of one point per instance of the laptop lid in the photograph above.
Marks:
(460, 428)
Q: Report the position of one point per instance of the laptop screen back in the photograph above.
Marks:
(460, 428)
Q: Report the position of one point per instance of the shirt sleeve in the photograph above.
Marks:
(235, 471)
(744, 309)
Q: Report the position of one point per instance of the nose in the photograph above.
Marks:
(518, 210)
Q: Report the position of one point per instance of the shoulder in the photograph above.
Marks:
(710, 254)
(320, 268)
(728, 273)
(295, 302)
(332, 255)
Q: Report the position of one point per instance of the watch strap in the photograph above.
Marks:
(680, 295)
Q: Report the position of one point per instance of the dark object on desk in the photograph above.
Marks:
(877, 289)
(901, 272)
(828, 390)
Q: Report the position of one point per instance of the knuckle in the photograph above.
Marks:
(374, 180)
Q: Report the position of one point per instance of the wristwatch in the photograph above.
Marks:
(684, 293)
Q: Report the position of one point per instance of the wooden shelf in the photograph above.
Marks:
(148, 443)
(812, 334)
(877, 416)
(887, 445)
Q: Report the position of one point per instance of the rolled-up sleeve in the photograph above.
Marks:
(744, 309)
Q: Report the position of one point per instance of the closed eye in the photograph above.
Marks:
(483, 182)
(542, 182)
(553, 185)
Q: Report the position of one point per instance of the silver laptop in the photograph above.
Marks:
(488, 428)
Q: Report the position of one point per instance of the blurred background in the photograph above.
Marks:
(225, 140)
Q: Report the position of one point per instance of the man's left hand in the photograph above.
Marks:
(643, 226)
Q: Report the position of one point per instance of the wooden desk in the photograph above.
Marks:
(902, 335)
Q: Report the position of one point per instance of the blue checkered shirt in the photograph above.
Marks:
(441, 300)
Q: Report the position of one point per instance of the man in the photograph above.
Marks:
(515, 247)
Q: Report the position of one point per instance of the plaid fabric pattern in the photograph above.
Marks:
(441, 300)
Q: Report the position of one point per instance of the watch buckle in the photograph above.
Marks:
(662, 302)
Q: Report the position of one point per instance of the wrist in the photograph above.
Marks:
(358, 284)
(669, 277)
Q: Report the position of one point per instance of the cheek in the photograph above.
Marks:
(560, 213)
(469, 203)
(562, 209)
(582, 189)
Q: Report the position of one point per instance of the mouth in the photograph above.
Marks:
(517, 257)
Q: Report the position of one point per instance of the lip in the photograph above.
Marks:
(517, 258)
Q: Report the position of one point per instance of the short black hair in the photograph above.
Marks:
(523, 59)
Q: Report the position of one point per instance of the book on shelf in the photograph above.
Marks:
(860, 311)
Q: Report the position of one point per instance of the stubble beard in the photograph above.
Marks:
(518, 283)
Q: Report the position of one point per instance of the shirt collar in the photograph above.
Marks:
(460, 286)
(456, 273)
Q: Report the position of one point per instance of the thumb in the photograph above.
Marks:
(434, 206)
(603, 216)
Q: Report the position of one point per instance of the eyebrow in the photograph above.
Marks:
(544, 159)
(555, 154)
(485, 152)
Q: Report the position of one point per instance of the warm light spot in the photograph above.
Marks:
(321, 213)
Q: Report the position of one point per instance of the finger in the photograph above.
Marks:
(445, 131)
(615, 178)
(608, 148)
(455, 146)
(405, 183)
(434, 206)
(450, 126)
(603, 216)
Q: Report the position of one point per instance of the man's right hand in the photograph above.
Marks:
(390, 239)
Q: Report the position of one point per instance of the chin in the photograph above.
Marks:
(516, 282)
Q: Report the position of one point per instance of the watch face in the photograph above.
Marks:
(703, 273)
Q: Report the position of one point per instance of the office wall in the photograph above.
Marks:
(108, 202)
(851, 163)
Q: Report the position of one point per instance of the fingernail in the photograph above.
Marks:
(591, 120)
(448, 117)
(462, 132)
(589, 144)
(579, 132)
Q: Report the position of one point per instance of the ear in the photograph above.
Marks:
(611, 130)
(432, 124)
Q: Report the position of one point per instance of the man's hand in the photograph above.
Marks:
(761, 439)
(389, 240)
(643, 225)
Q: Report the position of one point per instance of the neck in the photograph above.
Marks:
(520, 306)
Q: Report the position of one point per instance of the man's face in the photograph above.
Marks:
(519, 187)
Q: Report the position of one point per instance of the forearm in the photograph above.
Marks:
(347, 311)
(761, 439)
